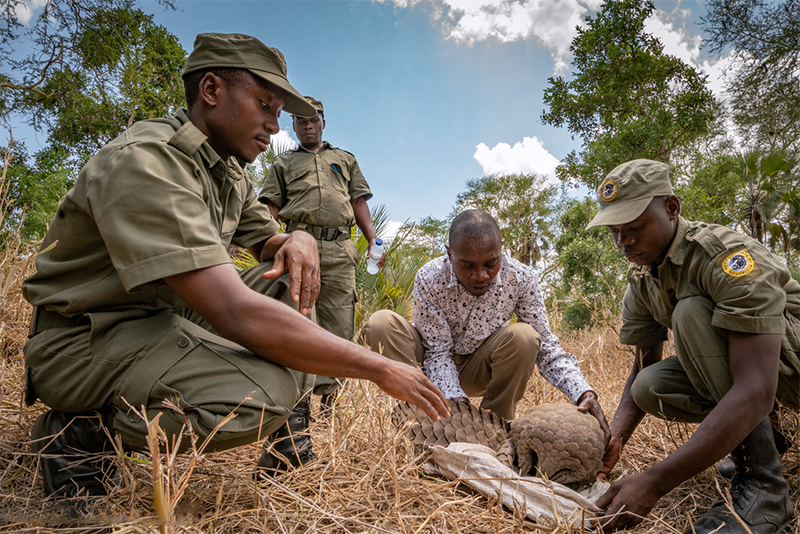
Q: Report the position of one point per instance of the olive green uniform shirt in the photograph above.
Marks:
(171, 205)
(316, 188)
(752, 290)
(157, 201)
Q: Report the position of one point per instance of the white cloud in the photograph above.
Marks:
(670, 28)
(526, 157)
(550, 22)
(25, 10)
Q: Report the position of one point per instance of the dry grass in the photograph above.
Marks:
(367, 480)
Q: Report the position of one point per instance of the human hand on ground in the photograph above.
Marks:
(627, 502)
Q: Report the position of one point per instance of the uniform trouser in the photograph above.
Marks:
(498, 370)
(336, 304)
(686, 387)
(144, 358)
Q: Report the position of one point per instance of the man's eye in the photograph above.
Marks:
(265, 105)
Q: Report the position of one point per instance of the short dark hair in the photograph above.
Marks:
(473, 224)
(191, 82)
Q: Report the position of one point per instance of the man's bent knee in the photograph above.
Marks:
(524, 336)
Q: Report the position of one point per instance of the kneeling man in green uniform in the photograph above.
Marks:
(136, 301)
(319, 189)
(734, 311)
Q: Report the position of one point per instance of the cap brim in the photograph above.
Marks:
(295, 103)
(620, 213)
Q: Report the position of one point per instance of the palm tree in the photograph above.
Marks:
(766, 198)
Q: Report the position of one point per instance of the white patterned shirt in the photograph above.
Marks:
(453, 321)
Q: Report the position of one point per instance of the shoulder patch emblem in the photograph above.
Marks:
(739, 265)
(609, 191)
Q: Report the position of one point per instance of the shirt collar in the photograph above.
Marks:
(325, 146)
(677, 250)
(192, 138)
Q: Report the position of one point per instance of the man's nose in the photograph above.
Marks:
(271, 125)
(623, 239)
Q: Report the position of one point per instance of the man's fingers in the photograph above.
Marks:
(277, 267)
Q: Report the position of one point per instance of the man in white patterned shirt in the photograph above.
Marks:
(462, 334)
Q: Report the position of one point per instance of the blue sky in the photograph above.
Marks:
(428, 93)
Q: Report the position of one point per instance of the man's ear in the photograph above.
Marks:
(673, 205)
(209, 88)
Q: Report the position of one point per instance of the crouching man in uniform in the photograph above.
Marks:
(136, 300)
(733, 309)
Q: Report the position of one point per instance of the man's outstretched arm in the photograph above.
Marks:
(277, 333)
(754, 371)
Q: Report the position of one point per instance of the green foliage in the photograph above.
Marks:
(391, 288)
(710, 195)
(114, 66)
(522, 204)
(33, 191)
(626, 99)
(592, 271)
(95, 67)
(768, 184)
(764, 40)
(428, 237)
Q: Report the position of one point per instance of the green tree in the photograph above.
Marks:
(710, 193)
(428, 237)
(591, 271)
(766, 181)
(626, 98)
(522, 205)
(32, 190)
(764, 40)
(94, 68)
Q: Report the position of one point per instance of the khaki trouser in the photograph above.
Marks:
(686, 387)
(498, 370)
(336, 304)
(144, 358)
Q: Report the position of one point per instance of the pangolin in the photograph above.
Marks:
(552, 440)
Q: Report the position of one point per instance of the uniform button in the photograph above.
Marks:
(322, 187)
(183, 342)
(319, 168)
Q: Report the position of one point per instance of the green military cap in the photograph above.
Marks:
(316, 103)
(238, 51)
(628, 189)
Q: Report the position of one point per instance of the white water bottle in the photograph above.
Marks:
(375, 255)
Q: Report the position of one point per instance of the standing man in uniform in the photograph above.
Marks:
(136, 301)
(319, 189)
(734, 311)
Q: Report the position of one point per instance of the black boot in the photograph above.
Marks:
(72, 448)
(783, 439)
(759, 492)
(290, 445)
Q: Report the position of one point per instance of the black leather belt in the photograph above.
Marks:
(323, 233)
(43, 319)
